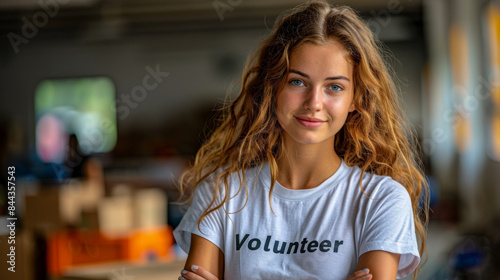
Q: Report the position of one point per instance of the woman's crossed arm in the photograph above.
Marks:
(206, 262)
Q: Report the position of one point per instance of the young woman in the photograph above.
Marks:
(311, 174)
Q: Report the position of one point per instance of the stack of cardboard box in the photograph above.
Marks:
(76, 224)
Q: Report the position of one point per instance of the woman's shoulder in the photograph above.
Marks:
(376, 185)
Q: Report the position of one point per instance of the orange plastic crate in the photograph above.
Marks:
(153, 244)
(76, 248)
(72, 248)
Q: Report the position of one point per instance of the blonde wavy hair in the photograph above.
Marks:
(375, 137)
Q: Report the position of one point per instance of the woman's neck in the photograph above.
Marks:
(307, 166)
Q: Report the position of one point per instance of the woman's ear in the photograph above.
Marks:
(352, 107)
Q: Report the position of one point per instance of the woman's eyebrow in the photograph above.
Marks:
(328, 78)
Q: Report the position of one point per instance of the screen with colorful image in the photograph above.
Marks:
(84, 107)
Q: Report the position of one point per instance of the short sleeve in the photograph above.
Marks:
(389, 226)
(211, 227)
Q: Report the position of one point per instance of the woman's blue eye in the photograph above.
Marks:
(336, 88)
(297, 83)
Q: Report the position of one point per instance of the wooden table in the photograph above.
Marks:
(126, 271)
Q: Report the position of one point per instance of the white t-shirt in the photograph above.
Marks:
(316, 233)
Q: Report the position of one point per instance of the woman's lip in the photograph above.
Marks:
(309, 119)
(309, 122)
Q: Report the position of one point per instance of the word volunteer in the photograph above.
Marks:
(305, 245)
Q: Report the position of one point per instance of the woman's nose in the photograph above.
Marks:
(314, 100)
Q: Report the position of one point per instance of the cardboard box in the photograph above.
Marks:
(115, 215)
(54, 208)
(43, 211)
(118, 215)
(150, 208)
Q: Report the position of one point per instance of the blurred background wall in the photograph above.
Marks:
(136, 84)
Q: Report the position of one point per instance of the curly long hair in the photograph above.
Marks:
(376, 137)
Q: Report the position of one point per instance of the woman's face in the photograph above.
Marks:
(313, 105)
